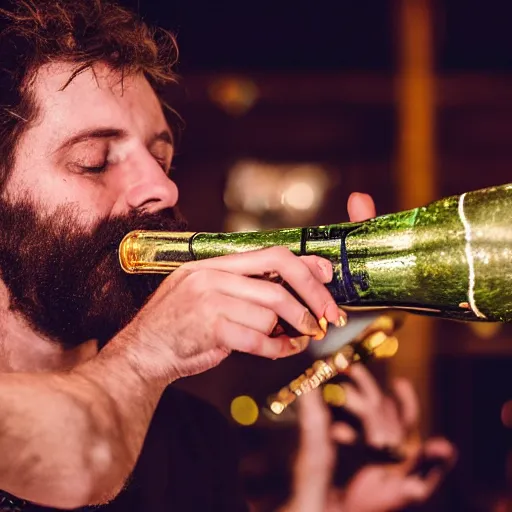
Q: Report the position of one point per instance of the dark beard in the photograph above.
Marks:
(66, 280)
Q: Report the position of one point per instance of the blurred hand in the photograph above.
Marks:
(386, 423)
(390, 424)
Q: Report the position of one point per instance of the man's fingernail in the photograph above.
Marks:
(322, 323)
(342, 318)
(320, 336)
(332, 314)
(311, 326)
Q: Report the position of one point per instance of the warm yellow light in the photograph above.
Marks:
(236, 95)
(485, 330)
(244, 410)
(291, 191)
(299, 195)
(334, 394)
(380, 345)
(236, 222)
(388, 349)
(277, 407)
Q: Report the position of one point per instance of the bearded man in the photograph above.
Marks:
(86, 352)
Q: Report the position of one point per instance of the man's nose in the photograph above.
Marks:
(147, 187)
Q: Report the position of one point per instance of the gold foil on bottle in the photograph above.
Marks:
(154, 251)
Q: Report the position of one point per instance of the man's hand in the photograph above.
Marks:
(206, 309)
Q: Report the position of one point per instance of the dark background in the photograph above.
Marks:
(326, 35)
(325, 74)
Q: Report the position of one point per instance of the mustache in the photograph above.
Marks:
(112, 231)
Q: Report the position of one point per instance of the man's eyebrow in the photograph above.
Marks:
(163, 136)
(93, 133)
(111, 133)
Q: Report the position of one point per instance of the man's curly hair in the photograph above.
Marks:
(83, 32)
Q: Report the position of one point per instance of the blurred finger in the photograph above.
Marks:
(367, 384)
(407, 402)
(440, 449)
(435, 476)
(354, 402)
(420, 486)
(360, 207)
(414, 490)
(389, 424)
(315, 457)
(314, 416)
(343, 434)
(379, 418)
(430, 460)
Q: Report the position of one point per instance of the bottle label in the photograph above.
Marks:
(330, 242)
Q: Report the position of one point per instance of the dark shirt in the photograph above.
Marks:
(188, 462)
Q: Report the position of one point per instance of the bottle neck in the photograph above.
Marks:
(452, 256)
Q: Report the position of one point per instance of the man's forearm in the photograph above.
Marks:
(45, 430)
(72, 439)
(129, 399)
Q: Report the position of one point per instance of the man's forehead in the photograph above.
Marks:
(52, 78)
(95, 95)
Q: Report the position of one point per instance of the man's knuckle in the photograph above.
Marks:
(253, 342)
(211, 300)
(279, 253)
(278, 296)
(190, 266)
(219, 327)
(178, 275)
(200, 281)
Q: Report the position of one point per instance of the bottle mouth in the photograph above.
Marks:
(128, 252)
(150, 252)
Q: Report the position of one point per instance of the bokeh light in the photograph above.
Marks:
(244, 410)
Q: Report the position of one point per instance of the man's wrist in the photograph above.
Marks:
(136, 351)
(120, 371)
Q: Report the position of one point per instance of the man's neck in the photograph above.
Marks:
(22, 349)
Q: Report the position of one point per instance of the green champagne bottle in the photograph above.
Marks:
(452, 258)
